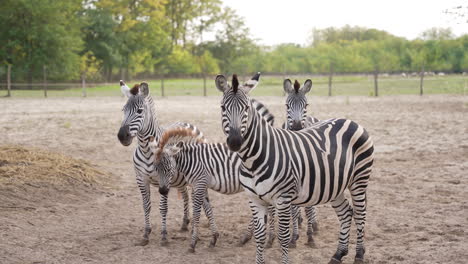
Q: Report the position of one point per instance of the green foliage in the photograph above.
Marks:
(109, 40)
(38, 33)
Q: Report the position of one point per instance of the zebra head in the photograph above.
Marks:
(296, 103)
(235, 107)
(165, 163)
(134, 111)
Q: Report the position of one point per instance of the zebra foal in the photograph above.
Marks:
(304, 168)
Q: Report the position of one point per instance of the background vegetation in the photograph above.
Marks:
(106, 40)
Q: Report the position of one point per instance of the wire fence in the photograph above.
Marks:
(271, 84)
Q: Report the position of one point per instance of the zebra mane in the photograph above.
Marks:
(176, 135)
(297, 85)
(135, 89)
(235, 83)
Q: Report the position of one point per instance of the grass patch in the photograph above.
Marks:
(273, 86)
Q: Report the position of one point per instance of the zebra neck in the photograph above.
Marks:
(255, 135)
(150, 126)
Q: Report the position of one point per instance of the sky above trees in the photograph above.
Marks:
(275, 22)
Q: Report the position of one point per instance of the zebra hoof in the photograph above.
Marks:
(358, 261)
(244, 239)
(269, 244)
(334, 261)
(142, 243)
(184, 226)
(191, 250)
(164, 242)
(214, 240)
(292, 244)
(315, 227)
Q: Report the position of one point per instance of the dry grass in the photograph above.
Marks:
(19, 165)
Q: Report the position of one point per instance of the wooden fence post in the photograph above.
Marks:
(204, 85)
(421, 88)
(330, 77)
(44, 70)
(162, 85)
(83, 84)
(376, 82)
(9, 80)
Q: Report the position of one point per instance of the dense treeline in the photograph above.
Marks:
(107, 40)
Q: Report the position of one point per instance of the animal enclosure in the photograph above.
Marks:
(416, 198)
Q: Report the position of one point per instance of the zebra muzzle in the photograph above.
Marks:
(234, 140)
(163, 190)
(124, 135)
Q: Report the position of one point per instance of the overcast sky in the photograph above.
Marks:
(291, 21)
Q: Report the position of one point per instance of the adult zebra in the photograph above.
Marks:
(140, 121)
(307, 167)
(297, 119)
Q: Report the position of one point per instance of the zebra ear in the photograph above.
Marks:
(287, 86)
(221, 83)
(124, 89)
(252, 83)
(144, 89)
(307, 86)
(174, 149)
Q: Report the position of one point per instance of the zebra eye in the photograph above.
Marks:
(287, 106)
(139, 110)
(223, 108)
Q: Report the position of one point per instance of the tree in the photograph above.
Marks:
(380, 58)
(38, 33)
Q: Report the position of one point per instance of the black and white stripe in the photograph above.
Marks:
(305, 168)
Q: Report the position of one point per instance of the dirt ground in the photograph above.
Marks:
(417, 212)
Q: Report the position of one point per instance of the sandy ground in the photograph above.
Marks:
(417, 212)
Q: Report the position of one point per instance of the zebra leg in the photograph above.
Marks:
(144, 187)
(259, 214)
(299, 219)
(248, 233)
(295, 212)
(312, 225)
(283, 206)
(198, 197)
(163, 208)
(345, 214)
(359, 198)
(271, 226)
(186, 220)
(209, 213)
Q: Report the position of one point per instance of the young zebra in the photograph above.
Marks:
(140, 121)
(297, 119)
(305, 168)
(203, 165)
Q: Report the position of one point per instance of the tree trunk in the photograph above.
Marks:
(376, 83)
(421, 88)
(30, 77)
(9, 80)
(83, 84)
(330, 77)
(44, 71)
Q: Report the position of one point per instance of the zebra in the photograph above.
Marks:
(305, 168)
(140, 121)
(297, 119)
